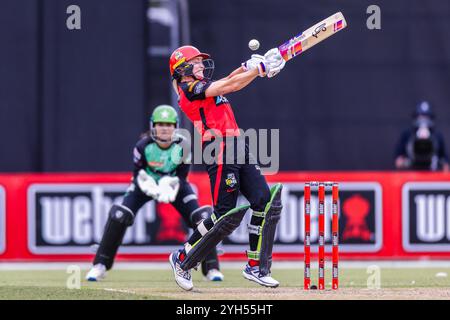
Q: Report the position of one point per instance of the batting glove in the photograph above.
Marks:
(275, 62)
(256, 62)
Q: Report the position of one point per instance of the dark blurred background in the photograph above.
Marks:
(77, 100)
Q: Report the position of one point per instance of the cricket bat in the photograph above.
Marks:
(312, 36)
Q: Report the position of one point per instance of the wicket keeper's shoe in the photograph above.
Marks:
(182, 278)
(252, 274)
(214, 275)
(96, 273)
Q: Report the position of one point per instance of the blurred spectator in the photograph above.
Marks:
(422, 147)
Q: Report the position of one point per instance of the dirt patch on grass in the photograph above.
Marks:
(299, 294)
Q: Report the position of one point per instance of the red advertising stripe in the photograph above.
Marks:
(391, 184)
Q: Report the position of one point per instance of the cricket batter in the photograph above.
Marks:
(160, 172)
(234, 168)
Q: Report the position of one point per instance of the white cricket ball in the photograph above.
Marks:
(253, 44)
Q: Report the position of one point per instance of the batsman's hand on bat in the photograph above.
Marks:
(257, 62)
(274, 61)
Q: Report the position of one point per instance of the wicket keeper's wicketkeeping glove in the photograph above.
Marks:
(147, 184)
(168, 187)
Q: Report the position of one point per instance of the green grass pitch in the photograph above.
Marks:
(398, 283)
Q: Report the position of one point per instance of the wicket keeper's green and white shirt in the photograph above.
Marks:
(158, 162)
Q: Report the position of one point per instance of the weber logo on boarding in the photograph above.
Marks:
(69, 218)
(426, 216)
(360, 222)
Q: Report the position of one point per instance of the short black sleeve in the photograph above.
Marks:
(195, 90)
(138, 155)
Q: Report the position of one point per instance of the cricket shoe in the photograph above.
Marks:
(214, 275)
(97, 272)
(253, 274)
(182, 278)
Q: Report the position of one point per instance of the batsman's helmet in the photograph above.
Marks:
(178, 62)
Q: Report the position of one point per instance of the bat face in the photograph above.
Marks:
(312, 36)
(318, 29)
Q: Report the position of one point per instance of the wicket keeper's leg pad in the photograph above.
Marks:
(221, 228)
(272, 214)
(120, 218)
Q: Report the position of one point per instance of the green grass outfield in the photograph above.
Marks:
(396, 283)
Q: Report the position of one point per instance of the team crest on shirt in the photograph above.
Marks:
(231, 181)
(199, 87)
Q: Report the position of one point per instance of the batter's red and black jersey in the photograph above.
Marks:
(211, 116)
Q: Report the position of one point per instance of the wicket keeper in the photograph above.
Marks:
(161, 167)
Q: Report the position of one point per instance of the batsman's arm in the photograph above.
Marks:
(233, 84)
(234, 73)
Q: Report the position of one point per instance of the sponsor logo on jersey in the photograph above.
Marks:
(221, 100)
(155, 164)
